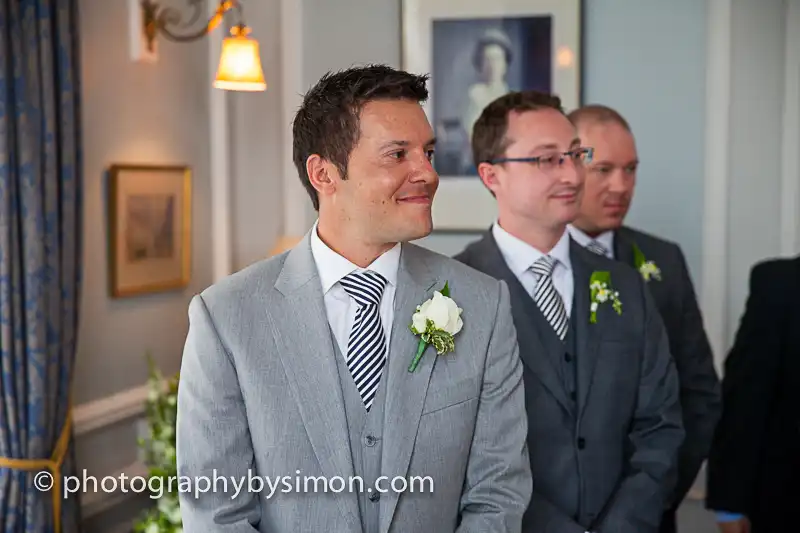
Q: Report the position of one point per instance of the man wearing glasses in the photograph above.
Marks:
(602, 395)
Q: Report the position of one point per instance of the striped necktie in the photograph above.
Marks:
(597, 248)
(366, 349)
(547, 298)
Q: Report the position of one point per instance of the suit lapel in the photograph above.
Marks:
(306, 351)
(587, 334)
(623, 248)
(405, 392)
(535, 346)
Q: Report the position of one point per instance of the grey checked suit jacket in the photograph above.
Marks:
(259, 390)
(599, 462)
(700, 388)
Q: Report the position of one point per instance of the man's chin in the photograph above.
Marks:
(566, 216)
(412, 232)
(610, 223)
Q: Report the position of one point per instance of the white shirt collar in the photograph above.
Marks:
(332, 267)
(520, 255)
(606, 239)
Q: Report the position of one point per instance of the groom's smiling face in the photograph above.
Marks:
(390, 181)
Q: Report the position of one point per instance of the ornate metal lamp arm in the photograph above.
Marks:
(158, 19)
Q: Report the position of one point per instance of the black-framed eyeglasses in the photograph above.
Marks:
(579, 156)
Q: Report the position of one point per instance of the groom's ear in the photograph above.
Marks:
(322, 174)
(488, 175)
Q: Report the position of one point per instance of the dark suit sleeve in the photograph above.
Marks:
(656, 433)
(751, 371)
(498, 481)
(700, 388)
(546, 517)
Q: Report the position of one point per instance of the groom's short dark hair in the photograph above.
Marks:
(327, 122)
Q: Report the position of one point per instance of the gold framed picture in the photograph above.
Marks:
(150, 223)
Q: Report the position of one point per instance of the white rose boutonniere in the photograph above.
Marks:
(602, 292)
(647, 269)
(436, 321)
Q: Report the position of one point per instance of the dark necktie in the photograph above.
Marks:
(366, 349)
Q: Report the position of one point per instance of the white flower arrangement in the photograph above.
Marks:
(602, 292)
(436, 321)
(160, 455)
(648, 269)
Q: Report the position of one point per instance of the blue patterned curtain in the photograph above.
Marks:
(40, 255)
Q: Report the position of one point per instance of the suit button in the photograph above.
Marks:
(375, 496)
(567, 358)
(369, 440)
(581, 443)
(573, 396)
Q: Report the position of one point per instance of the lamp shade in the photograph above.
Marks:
(240, 63)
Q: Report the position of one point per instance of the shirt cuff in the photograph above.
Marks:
(725, 516)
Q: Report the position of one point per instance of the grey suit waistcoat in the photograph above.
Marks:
(568, 362)
(366, 441)
(566, 351)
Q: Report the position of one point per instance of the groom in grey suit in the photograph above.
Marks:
(601, 388)
(298, 369)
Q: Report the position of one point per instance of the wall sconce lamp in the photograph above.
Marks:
(239, 63)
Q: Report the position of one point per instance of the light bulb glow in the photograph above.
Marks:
(240, 65)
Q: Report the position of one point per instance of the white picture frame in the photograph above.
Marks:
(444, 38)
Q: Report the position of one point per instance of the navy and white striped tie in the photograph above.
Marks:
(547, 298)
(597, 248)
(366, 349)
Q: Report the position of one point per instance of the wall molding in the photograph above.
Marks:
(714, 298)
(219, 162)
(104, 412)
(295, 200)
(790, 172)
(100, 414)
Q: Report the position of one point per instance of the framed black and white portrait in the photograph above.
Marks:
(475, 51)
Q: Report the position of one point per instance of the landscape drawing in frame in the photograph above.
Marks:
(474, 52)
(150, 224)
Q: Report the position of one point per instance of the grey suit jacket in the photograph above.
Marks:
(259, 395)
(700, 387)
(599, 461)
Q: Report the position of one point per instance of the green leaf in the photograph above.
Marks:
(601, 276)
(638, 257)
(445, 290)
(443, 342)
(420, 350)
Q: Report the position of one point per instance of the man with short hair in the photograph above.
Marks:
(304, 365)
(601, 388)
(608, 191)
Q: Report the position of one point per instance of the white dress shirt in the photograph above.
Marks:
(605, 239)
(520, 256)
(339, 306)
